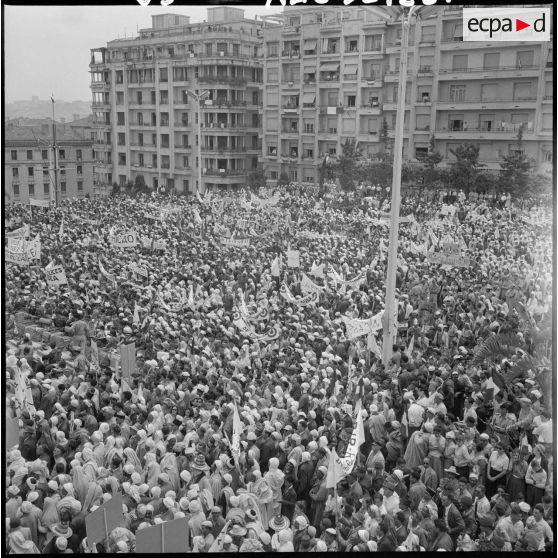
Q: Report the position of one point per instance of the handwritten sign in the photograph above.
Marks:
(55, 275)
(448, 259)
(236, 242)
(39, 203)
(138, 270)
(19, 258)
(124, 240)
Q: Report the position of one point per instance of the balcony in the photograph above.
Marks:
(144, 146)
(223, 80)
(425, 70)
(142, 106)
(508, 132)
(371, 109)
(101, 105)
(287, 130)
(223, 150)
(225, 172)
(291, 54)
(142, 125)
(373, 81)
(288, 108)
(483, 73)
(221, 126)
(310, 81)
(477, 103)
(182, 147)
(350, 77)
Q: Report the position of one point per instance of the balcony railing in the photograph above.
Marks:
(350, 77)
(452, 39)
(223, 80)
(480, 100)
(425, 70)
(223, 150)
(291, 53)
(482, 69)
(507, 128)
(225, 172)
(289, 131)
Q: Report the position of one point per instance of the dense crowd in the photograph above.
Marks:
(458, 447)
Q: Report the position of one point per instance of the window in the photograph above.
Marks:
(456, 122)
(332, 98)
(121, 139)
(14, 154)
(79, 170)
(549, 58)
(62, 153)
(426, 63)
(457, 93)
(423, 122)
(122, 158)
(63, 187)
(119, 97)
(164, 100)
(78, 154)
(141, 161)
(272, 150)
(491, 60)
(31, 189)
(272, 74)
(30, 171)
(308, 153)
(428, 34)
(309, 128)
(351, 100)
(29, 155)
(547, 121)
(120, 118)
(489, 92)
(154, 161)
(186, 184)
(163, 74)
(119, 76)
(460, 62)
(186, 161)
(522, 91)
(255, 97)
(547, 156)
(15, 188)
(272, 50)
(122, 179)
(421, 152)
(519, 118)
(15, 173)
(153, 97)
(46, 188)
(164, 119)
(486, 122)
(525, 59)
(45, 174)
(164, 140)
(548, 89)
(351, 45)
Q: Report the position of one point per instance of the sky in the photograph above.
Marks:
(47, 48)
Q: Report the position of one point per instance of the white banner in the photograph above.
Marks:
(293, 258)
(138, 270)
(39, 203)
(22, 232)
(308, 286)
(159, 245)
(34, 248)
(356, 328)
(19, 258)
(124, 240)
(55, 275)
(449, 259)
(286, 293)
(236, 242)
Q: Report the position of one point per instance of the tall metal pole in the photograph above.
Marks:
(390, 316)
(200, 178)
(54, 154)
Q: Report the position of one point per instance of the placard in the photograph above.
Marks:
(104, 519)
(293, 258)
(39, 203)
(128, 360)
(55, 275)
(124, 240)
(448, 259)
(236, 242)
(12, 433)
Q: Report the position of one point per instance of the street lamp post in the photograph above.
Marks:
(199, 98)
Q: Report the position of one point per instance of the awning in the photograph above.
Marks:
(329, 67)
(350, 69)
(310, 44)
(308, 98)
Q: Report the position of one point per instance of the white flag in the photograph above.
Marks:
(411, 346)
(317, 270)
(237, 431)
(136, 315)
(61, 231)
(373, 345)
(308, 286)
(275, 267)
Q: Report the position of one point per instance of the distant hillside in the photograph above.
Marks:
(37, 108)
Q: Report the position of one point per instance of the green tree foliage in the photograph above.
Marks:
(283, 179)
(465, 170)
(346, 168)
(515, 167)
(256, 179)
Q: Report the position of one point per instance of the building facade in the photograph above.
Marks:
(145, 102)
(29, 168)
(331, 74)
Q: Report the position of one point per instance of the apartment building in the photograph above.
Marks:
(331, 74)
(145, 102)
(28, 162)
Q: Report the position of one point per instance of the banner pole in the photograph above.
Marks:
(162, 538)
(105, 524)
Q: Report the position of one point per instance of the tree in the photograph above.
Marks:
(386, 152)
(516, 166)
(465, 169)
(139, 185)
(115, 189)
(346, 169)
(256, 179)
(283, 179)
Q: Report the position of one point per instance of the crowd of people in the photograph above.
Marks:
(458, 439)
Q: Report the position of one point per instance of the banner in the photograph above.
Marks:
(275, 267)
(100, 523)
(138, 270)
(317, 270)
(163, 538)
(34, 248)
(94, 355)
(236, 242)
(22, 232)
(55, 275)
(238, 428)
(128, 360)
(308, 286)
(270, 335)
(124, 240)
(39, 203)
(351, 283)
(286, 293)
(159, 245)
(146, 242)
(293, 258)
(154, 217)
(12, 433)
(448, 259)
(110, 276)
(355, 328)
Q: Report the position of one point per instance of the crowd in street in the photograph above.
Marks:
(458, 438)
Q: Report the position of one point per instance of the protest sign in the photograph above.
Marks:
(34, 248)
(159, 245)
(293, 258)
(448, 259)
(124, 240)
(104, 519)
(451, 248)
(128, 360)
(22, 232)
(39, 203)
(236, 242)
(55, 275)
(16, 244)
(170, 536)
(138, 270)
(12, 433)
